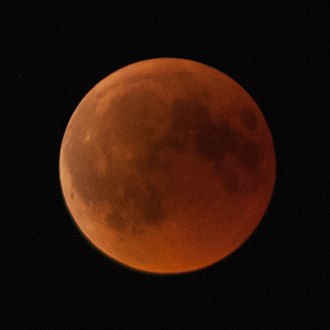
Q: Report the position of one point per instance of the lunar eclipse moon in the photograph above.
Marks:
(167, 166)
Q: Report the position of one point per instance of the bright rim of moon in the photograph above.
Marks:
(167, 166)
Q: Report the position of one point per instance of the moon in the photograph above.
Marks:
(167, 166)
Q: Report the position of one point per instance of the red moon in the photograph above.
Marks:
(167, 166)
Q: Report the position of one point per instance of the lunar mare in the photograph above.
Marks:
(167, 165)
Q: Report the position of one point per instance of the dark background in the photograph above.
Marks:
(53, 55)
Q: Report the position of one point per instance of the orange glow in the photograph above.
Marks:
(167, 165)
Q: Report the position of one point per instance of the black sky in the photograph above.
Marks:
(53, 55)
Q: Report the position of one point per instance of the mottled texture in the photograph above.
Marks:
(133, 198)
(167, 165)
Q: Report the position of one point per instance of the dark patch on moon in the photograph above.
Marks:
(248, 118)
(250, 155)
(134, 205)
(214, 139)
(231, 181)
(126, 185)
(132, 120)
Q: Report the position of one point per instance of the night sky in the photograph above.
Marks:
(52, 55)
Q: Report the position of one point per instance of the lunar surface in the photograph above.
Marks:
(167, 166)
